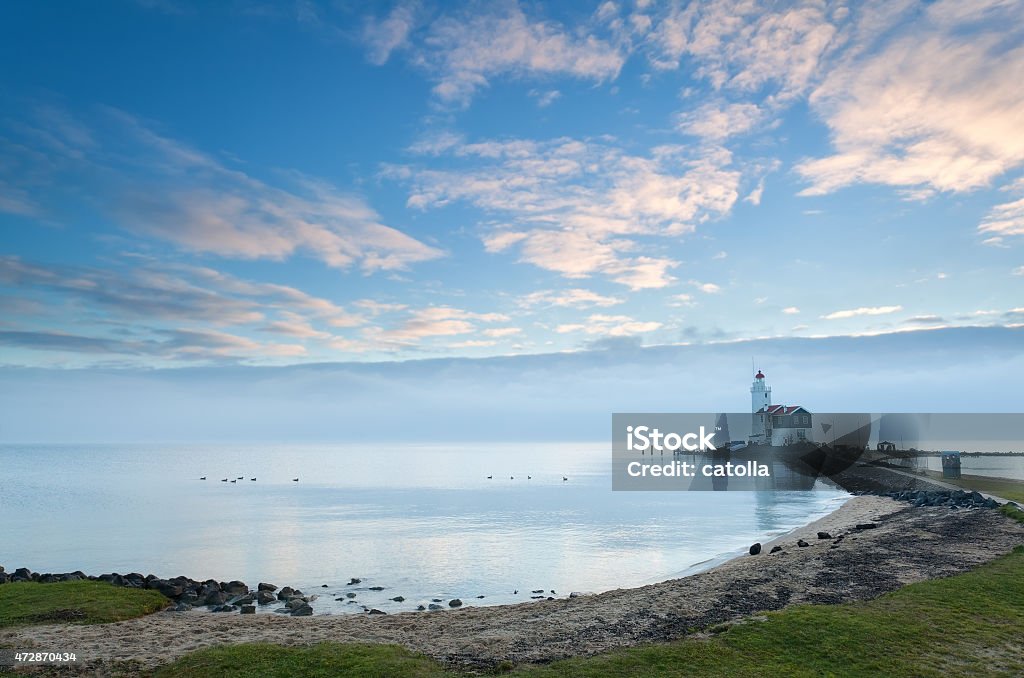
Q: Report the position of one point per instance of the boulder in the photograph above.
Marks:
(376, 588)
(434, 606)
(398, 599)
(455, 602)
(824, 535)
(420, 608)
(350, 594)
(801, 543)
(376, 611)
(353, 581)
(215, 598)
(181, 607)
(303, 610)
(755, 549)
(285, 593)
(248, 609)
(165, 587)
(235, 587)
(775, 549)
(265, 597)
(262, 586)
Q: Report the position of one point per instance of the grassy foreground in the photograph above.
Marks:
(1001, 487)
(971, 624)
(87, 602)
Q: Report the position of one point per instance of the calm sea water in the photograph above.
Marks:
(422, 521)
(994, 466)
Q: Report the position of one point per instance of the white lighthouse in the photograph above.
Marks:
(760, 401)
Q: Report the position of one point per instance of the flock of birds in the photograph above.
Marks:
(235, 480)
(491, 477)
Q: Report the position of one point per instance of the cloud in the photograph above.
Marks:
(1006, 219)
(151, 184)
(295, 325)
(706, 288)
(545, 97)
(791, 310)
(610, 325)
(177, 344)
(167, 310)
(1017, 271)
(472, 343)
(462, 53)
(384, 36)
(717, 121)
(582, 208)
(499, 332)
(740, 46)
(925, 320)
(570, 298)
(435, 321)
(863, 310)
(935, 107)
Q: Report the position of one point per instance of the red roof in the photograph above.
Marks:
(759, 375)
(781, 409)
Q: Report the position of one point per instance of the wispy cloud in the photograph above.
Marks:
(863, 310)
(580, 208)
(1006, 219)
(934, 108)
(570, 298)
(706, 287)
(463, 51)
(157, 186)
(791, 310)
(545, 97)
(383, 36)
(437, 321)
(742, 47)
(718, 122)
(610, 325)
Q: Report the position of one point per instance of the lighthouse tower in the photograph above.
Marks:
(760, 400)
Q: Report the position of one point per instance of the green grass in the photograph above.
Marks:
(1002, 487)
(1012, 512)
(971, 625)
(324, 659)
(86, 602)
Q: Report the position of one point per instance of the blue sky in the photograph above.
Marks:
(194, 184)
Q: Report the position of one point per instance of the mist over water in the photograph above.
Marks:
(422, 521)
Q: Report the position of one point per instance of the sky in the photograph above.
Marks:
(218, 186)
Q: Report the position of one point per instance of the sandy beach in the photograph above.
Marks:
(909, 544)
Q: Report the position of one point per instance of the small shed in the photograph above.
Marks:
(950, 464)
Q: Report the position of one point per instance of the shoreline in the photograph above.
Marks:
(908, 544)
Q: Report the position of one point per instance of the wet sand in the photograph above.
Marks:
(909, 544)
